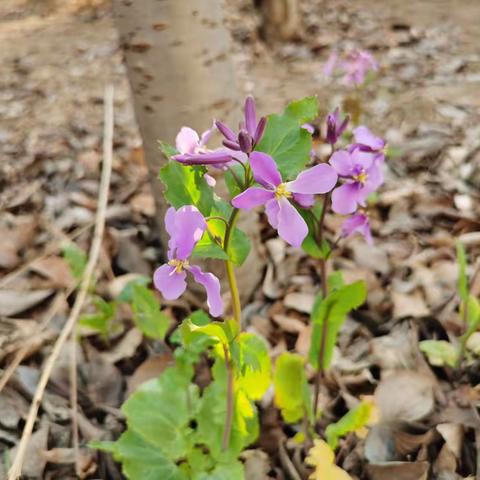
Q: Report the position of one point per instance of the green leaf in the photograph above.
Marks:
(147, 314)
(291, 387)
(99, 321)
(286, 141)
(207, 248)
(439, 352)
(160, 411)
(185, 185)
(304, 110)
(76, 259)
(141, 459)
(232, 185)
(473, 312)
(333, 310)
(212, 415)
(252, 364)
(239, 242)
(232, 470)
(462, 272)
(218, 332)
(127, 292)
(353, 420)
(167, 150)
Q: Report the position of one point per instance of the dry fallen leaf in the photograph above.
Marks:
(56, 269)
(13, 302)
(301, 302)
(125, 348)
(152, 367)
(409, 305)
(405, 396)
(322, 458)
(398, 471)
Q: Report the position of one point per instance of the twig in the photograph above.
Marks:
(16, 469)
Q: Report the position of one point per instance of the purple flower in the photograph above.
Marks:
(367, 141)
(193, 151)
(358, 223)
(335, 127)
(250, 132)
(354, 65)
(362, 174)
(276, 195)
(185, 227)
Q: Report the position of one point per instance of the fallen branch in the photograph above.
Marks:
(16, 469)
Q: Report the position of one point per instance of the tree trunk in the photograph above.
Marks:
(177, 56)
(280, 20)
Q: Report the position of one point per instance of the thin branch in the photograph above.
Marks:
(16, 469)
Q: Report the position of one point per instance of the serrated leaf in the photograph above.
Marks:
(141, 459)
(333, 309)
(252, 364)
(286, 141)
(462, 272)
(439, 352)
(76, 259)
(352, 421)
(150, 414)
(185, 185)
(147, 314)
(291, 387)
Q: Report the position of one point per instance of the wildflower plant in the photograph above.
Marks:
(175, 429)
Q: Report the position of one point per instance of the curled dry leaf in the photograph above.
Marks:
(55, 269)
(257, 464)
(301, 302)
(409, 305)
(405, 396)
(125, 348)
(13, 302)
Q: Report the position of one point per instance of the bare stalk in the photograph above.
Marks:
(229, 414)
(16, 468)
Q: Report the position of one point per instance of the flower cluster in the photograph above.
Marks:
(348, 178)
(354, 66)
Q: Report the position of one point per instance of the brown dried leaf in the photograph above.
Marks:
(398, 471)
(151, 368)
(13, 302)
(405, 396)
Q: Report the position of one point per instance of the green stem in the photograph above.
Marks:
(229, 414)
(232, 281)
(323, 276)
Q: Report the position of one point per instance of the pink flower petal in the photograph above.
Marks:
(271, 210)
(252, 197)
(170, 283)
(189, 228)
(365, 137)
(265, 169)
(291, 226)
(305, 200)
(345, 198)
(212, 286)
(250, 116)
(318, 179)
(342, 162)
(187, 140)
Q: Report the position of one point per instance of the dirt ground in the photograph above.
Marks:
(57, 57)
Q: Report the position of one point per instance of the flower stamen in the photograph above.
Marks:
(179, 265)
(361, 177)
(282, 192)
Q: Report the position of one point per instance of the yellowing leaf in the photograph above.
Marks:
(321, 457)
